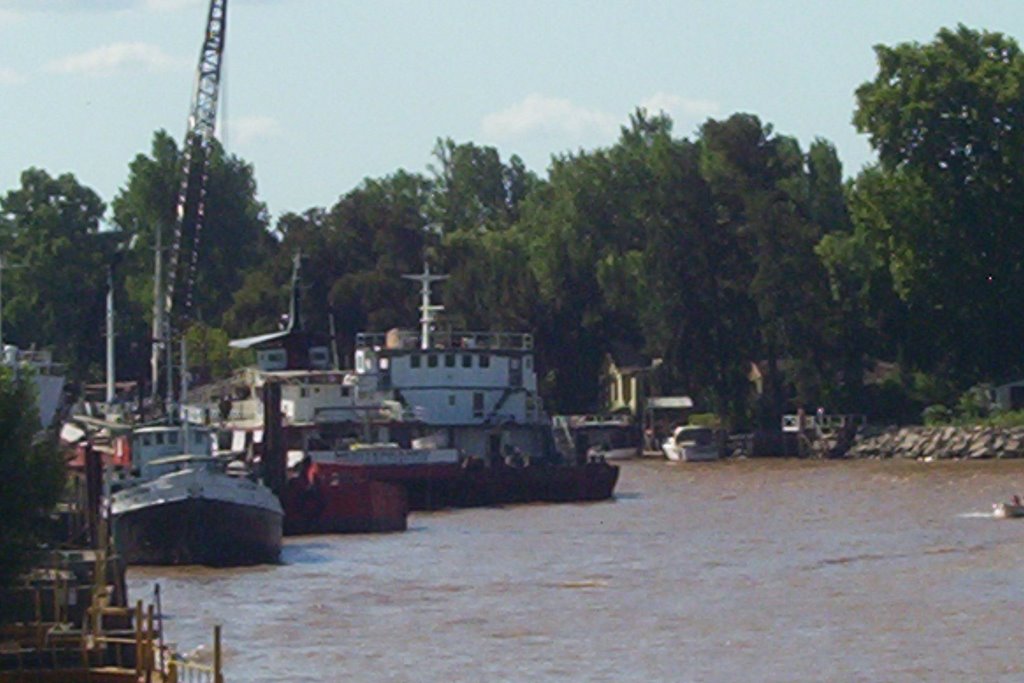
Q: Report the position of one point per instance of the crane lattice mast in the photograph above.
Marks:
(175, 297)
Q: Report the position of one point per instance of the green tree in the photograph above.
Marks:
(234, 241)
(51, 228)
(946, 120)
(33, 476)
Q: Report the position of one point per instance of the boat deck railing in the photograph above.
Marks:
(447, 339)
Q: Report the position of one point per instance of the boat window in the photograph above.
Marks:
(345, 391)
(432, 360)
(528, 362)
(467, 360)
(159, 438)
(451, 399)
(145, 440)
(197, 437)
(303, 392)
(485, 360)
(414, 360)
(449, 360)
(478, 404)
(172, 437)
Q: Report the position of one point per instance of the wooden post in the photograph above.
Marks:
(172, 671)
(218, 675)
(138, 639)
(93, 495)
(273, 458)
(150, 655)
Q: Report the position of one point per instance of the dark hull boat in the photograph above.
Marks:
(472, 484)
(197, 514)
(323, 501)
(503, 484)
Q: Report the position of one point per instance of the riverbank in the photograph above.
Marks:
(939, 443)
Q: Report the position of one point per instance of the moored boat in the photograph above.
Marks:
(453, 417)
(190, 507)
(691, 443)
(611, 437)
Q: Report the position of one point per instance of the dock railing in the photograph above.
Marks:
(187, 671)
(821, 423)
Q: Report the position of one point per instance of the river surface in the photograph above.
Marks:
(751, 570)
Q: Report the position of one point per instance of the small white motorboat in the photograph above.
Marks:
(1015, 508)
(691, 443)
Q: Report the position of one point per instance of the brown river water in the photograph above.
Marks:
(751, 570)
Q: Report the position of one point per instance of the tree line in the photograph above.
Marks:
(714, 252)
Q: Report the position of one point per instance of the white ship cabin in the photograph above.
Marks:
(307, 398)
(474, 391)
(149, 444)
(459, 379)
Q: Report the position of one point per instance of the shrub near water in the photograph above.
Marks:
(31, 481)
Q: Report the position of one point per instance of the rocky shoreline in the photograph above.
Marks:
(939, 443)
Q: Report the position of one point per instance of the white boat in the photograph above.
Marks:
(1008, 510)
(190, 507)
(691, 443)
(610, 437)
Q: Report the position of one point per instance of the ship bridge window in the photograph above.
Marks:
(467, 360)
(345, 391)
(432, 360)
(159, 438)
(197, 437)
(172, 438)
(414, 360)
(449, 360)
(451, 399)
(485, 360)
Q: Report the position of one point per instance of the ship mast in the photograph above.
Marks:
(427, 309)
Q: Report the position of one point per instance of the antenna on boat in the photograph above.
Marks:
(427, 309)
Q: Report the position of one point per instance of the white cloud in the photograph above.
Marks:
(542, 114)
(251, 128)
(109, 58)
(539, 113)
(9, 76)
(680, 108)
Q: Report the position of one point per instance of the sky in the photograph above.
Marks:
(320, 94)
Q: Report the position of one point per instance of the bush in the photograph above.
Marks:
(32, 479)
(705, 420)
(976, 403)
(936, 414)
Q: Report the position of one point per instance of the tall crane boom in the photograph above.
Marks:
(202, 123)
(175, 296)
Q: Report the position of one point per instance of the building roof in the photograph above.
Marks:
(260, 340)
(627, 358)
